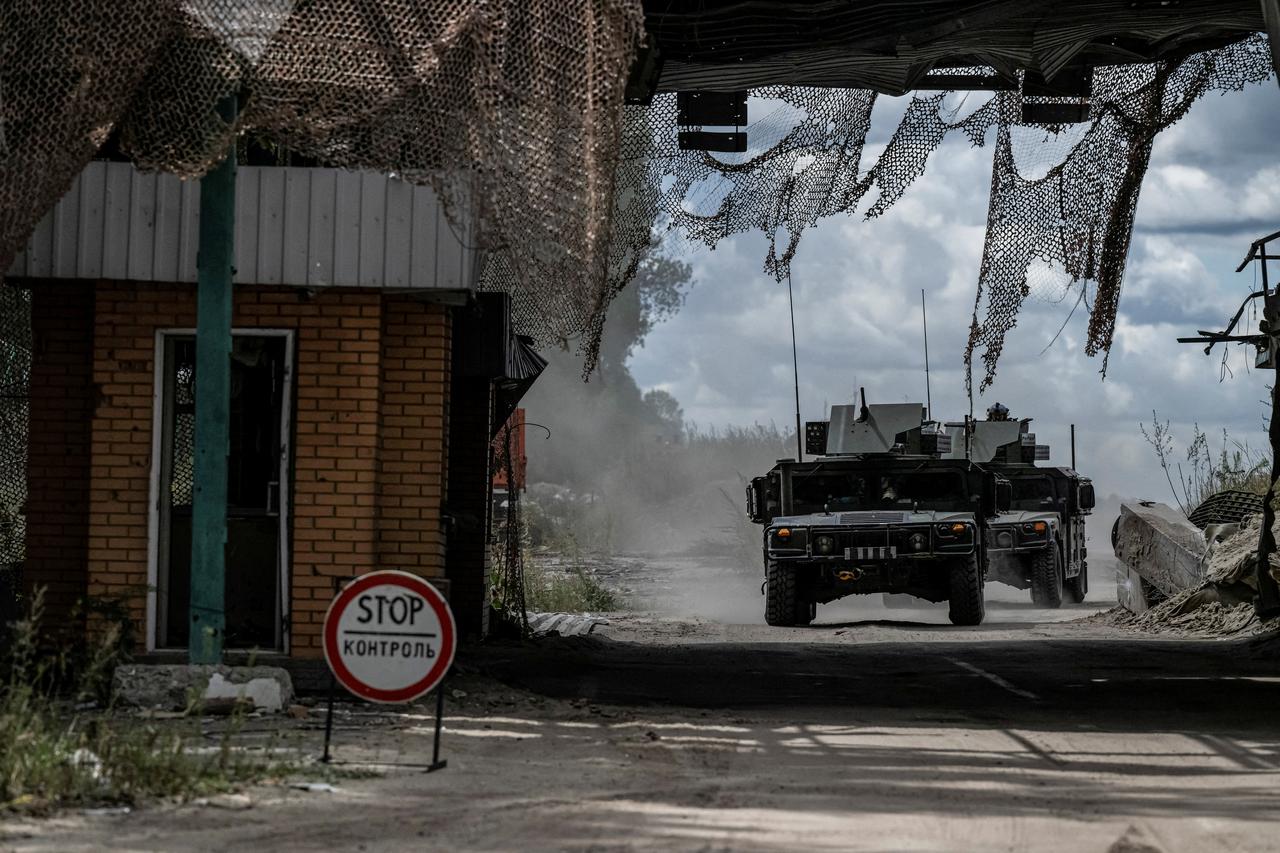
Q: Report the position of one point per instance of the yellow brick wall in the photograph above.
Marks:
(371, 377)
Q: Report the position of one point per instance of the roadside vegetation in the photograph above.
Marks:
(62, 744)
(1207, 468)
(572, 588)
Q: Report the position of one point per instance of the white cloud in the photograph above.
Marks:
(727, 356)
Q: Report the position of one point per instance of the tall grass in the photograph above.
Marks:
(574, 590)
(58, 748)
(1206, 469)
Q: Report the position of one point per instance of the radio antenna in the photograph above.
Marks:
(795, 366)
(928, 393)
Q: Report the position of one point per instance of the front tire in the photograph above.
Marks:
(967, 606)
(1078, 586)
(781, 596)
(1046, 579)
(806, 612)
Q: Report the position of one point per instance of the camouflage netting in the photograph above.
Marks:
(1063, 223)
(1062, 201)
(15, 379)
(508, 108)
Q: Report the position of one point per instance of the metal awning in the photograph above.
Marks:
(891, 45)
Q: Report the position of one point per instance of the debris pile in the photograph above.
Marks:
(1203, 612)
(1219, 604)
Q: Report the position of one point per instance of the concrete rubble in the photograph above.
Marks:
(1177, 578)
(1160, 553)
(176, 687)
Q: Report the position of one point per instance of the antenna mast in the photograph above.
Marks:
(928, 393)
(795, 366)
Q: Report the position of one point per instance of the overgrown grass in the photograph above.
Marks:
(59, 749)
(575, 591)
(1206, 471)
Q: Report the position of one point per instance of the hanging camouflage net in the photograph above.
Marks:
(508, 108)
(1060, 222)
(1062, 201)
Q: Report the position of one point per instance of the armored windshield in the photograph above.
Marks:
(1034, 492)
(879, 489)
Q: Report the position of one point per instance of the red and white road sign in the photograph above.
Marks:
(389, 637)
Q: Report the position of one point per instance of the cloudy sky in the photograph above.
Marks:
(1210, 192)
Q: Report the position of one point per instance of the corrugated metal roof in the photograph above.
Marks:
(304, 227)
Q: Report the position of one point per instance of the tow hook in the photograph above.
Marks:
(849, 574)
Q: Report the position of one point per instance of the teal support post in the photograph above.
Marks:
(214, 269)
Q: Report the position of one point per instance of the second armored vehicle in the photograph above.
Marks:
(1039, 544)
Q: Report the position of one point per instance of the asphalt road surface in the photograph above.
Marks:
(877, 729)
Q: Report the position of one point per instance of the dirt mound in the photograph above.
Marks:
(1209, 611)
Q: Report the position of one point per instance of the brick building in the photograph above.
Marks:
(368, 379)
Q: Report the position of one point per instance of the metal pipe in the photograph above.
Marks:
(215, 259)
(928, 392)
(795, 366)
(1267, 604)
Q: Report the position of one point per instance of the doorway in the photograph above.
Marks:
(257, 490)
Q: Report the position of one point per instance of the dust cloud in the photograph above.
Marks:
(653, 506)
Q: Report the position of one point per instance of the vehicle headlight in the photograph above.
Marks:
(824, 544)
(918, 542)
(1004, 539)
(1035, 528)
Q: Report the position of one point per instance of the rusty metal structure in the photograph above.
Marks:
(1266, 344)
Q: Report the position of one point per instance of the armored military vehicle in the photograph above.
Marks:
(878, 510)
(1039, 544)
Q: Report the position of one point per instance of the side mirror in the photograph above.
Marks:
(1004, 494)
(999, 495)
(1087, 500)
(757, 500)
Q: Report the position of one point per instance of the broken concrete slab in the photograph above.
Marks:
(1161, 546)
(176, 686)
(1130, 591)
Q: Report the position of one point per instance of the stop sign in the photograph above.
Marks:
(389, 637)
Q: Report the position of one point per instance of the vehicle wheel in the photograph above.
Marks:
(967, 606)
(1078, 586)
(781, 603)
(1046, 579)
(806, 611)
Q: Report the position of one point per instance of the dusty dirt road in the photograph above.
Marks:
(877, 729)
